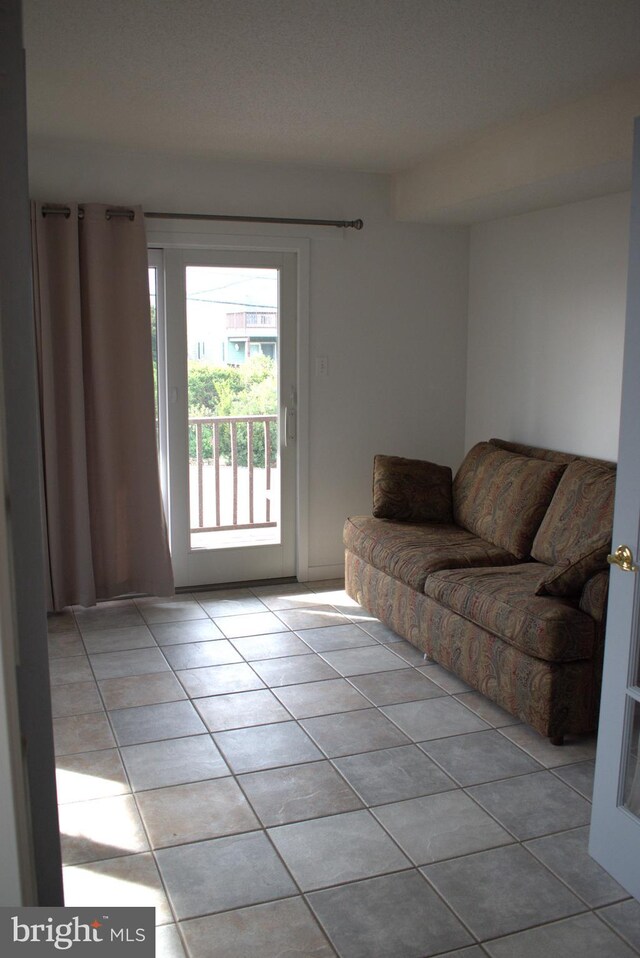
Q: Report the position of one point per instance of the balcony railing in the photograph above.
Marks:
(232, 472)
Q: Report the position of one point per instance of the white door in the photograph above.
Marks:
(615, 823)
(230, 341)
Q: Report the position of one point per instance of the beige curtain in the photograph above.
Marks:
(105, 527)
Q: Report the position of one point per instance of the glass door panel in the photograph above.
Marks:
(231, 386)
(232, 382)
(631, 784)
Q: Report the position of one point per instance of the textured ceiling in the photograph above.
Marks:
(374, 85)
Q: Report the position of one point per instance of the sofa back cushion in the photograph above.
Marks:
(575, 534)
(502, 496)
(411, 490)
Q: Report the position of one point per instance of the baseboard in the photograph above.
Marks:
(316, 573)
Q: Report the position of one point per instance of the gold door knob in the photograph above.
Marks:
(623, 558)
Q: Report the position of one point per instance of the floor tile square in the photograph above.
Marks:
(389, 688)
(150, 723)
(433, 718)
(191, 630)
(118, 640)
(88, 775)
(230, 603)
(274, 646)
(61, 622)
(336, 637)
(408, 652)
(576, 748)
(349, 732)
(176, 608)
(173, 762)
(101, 828)
(195, 655)
(566, 855)
(579, 776)
(82, 733)
(533, 805)
(625, 919)
(321, 698)
(121, 614)
(224, 873)
(324, 586)
(274, 930)
(372, 658)
(380, 632)
(219, 679)
(75, 699)
(61, 644)
(294, 669)
(479, 757)
(266, 746)
(298, 792)
(69, 670)
(277, 598)
(393, 774)
(116, 883)
(444, 678)
(580, 937)
(313, 617)
(131, 690)
(502, 890)
(435, 827)
(169, 943)
(333, 595)
(486, 709)
(113, 665)
(241, 710)
(394, 915)
(251, 623)
(340, 848)
(189, 813)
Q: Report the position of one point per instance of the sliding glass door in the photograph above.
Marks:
(227, 384)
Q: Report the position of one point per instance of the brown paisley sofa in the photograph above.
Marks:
(499, 574)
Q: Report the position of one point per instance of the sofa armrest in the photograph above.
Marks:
(594, 596)
(411, 490)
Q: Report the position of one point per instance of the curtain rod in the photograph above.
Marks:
(289, 221)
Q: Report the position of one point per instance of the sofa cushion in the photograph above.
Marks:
(575, 534)
(411, 552)
(410, 490)
(502, 496)
(504, 601)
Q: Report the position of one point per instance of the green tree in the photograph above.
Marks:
(248, 390)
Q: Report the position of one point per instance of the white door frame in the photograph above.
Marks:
(171, 234)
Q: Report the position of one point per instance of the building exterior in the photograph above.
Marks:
(250, 332)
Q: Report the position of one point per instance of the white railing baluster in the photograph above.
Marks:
(267, 463)
(250, 465)
(200, 482)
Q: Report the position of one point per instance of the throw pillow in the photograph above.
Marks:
(410, 490)
(502, 496)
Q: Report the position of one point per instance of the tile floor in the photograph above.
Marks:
(278, 773)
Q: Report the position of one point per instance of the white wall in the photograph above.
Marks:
(388, 308)
(547, 294)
